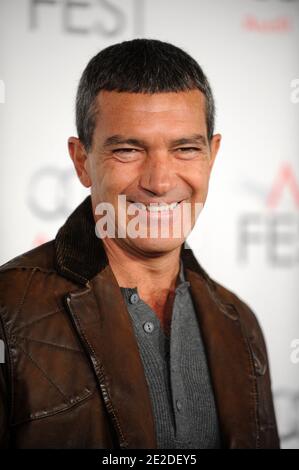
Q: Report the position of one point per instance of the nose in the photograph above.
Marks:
(157, 176)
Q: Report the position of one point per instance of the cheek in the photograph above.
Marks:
(112, 180)
(197, 178)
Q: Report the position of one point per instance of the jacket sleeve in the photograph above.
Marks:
(269, 437)
(4, 400)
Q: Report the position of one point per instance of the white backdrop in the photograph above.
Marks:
(247, 236)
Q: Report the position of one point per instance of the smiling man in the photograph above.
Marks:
(119, 338)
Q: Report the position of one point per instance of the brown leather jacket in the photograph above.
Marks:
(73, 376)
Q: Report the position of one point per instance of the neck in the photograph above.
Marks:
(154, 276)
(147, 272)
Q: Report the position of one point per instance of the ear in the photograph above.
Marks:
(79, 156)
(214, 146)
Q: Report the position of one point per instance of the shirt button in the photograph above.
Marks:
(148, 327)
(134, 298)
(178, 405)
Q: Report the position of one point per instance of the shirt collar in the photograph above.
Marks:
(182, 284)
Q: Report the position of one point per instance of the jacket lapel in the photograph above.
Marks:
(100, 315)
(228, 358)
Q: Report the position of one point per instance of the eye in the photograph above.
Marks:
(189, 149)
(126, 153)
(124, 150)
(188, 152)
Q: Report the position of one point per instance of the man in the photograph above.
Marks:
(121, 341)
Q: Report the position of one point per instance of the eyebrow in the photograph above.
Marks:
(118, 139)
(192, 139)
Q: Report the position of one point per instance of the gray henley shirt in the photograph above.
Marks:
(176, 372)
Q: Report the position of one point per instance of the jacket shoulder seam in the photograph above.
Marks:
(26, 267)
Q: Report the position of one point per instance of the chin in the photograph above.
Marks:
(156, 245)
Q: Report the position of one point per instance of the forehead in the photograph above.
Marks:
(136, 110)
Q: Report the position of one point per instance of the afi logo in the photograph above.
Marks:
(277, 232)
(285, 180)
(91, 16)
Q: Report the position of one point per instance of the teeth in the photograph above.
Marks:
(157, 207)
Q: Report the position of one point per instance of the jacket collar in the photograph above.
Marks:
(98, 307)
(80, 254)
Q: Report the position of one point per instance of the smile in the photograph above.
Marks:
(156, 207)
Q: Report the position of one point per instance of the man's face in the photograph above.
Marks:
(151, 148)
